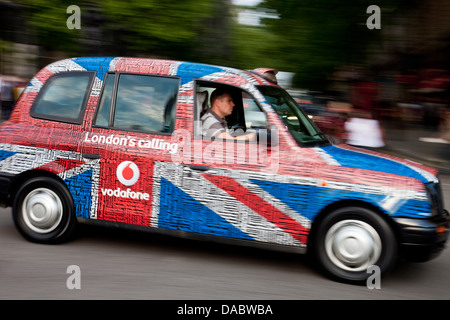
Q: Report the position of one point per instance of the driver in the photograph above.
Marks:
(213, 123)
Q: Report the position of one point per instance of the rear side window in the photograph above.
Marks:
(138, 103)
(63, 97)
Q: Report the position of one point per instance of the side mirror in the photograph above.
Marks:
(331, 139)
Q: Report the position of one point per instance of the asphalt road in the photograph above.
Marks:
(116, 264)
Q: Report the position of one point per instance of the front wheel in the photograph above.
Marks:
(43, 210)
(350, 240)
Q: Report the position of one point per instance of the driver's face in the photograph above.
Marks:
(225, 104)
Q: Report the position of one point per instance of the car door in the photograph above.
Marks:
(218, 191)
(131, 130)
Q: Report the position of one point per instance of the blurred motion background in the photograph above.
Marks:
(327, 57)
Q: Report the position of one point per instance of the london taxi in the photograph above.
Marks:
(119, 141)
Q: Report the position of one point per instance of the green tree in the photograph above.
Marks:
(46, 21)
(155, 27)
(315, 37)
(254, 47)
(194, 30)
(135, 27)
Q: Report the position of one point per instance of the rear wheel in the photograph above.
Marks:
(43, 210)
(350, 240)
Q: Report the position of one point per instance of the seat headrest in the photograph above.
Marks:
(202, 100)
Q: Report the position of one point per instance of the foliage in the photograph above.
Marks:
(134, 27)
(315, 37)
(47, 22)
(253, 47)
(310, 38)
(165, 28)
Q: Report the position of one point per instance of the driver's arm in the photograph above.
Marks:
(251, 136)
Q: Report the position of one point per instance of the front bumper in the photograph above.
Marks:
(6, 181)
(423, 239)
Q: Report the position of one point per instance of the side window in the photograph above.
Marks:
(63, 97)
(145, 103)
(245, 116)
(254, 116)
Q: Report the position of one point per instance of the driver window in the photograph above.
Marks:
(254, 116)
(237, 116)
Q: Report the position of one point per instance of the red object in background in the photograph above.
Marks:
(364, 95)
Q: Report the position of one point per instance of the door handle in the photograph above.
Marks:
(91, 156)
(199, 168)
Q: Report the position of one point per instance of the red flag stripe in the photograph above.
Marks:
(60, 165)
(263, 208)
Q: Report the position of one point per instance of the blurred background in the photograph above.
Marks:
(341, 72)
(327, 56)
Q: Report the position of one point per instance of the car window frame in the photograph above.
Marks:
(100, 98)
(112, 107)
(212, 84)
(302, 116)
(47, 84)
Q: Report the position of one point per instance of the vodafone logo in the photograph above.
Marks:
(128, 173)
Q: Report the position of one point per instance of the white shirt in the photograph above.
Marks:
(364, 133)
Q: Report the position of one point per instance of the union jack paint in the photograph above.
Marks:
(170, 179)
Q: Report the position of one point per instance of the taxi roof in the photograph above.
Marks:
(187, 71)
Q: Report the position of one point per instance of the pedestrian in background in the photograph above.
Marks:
(443, 128)
(363, 130)
(445, 125)
(7, 99)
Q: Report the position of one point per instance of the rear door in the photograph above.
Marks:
(131, 130)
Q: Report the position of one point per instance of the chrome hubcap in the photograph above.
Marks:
(42, 210)
(353, 245)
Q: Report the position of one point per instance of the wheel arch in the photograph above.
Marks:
(27, 175)
(350, 203)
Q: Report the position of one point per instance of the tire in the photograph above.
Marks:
(350, 240)
(43, 211)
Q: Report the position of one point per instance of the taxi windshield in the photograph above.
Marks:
(304, 131)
